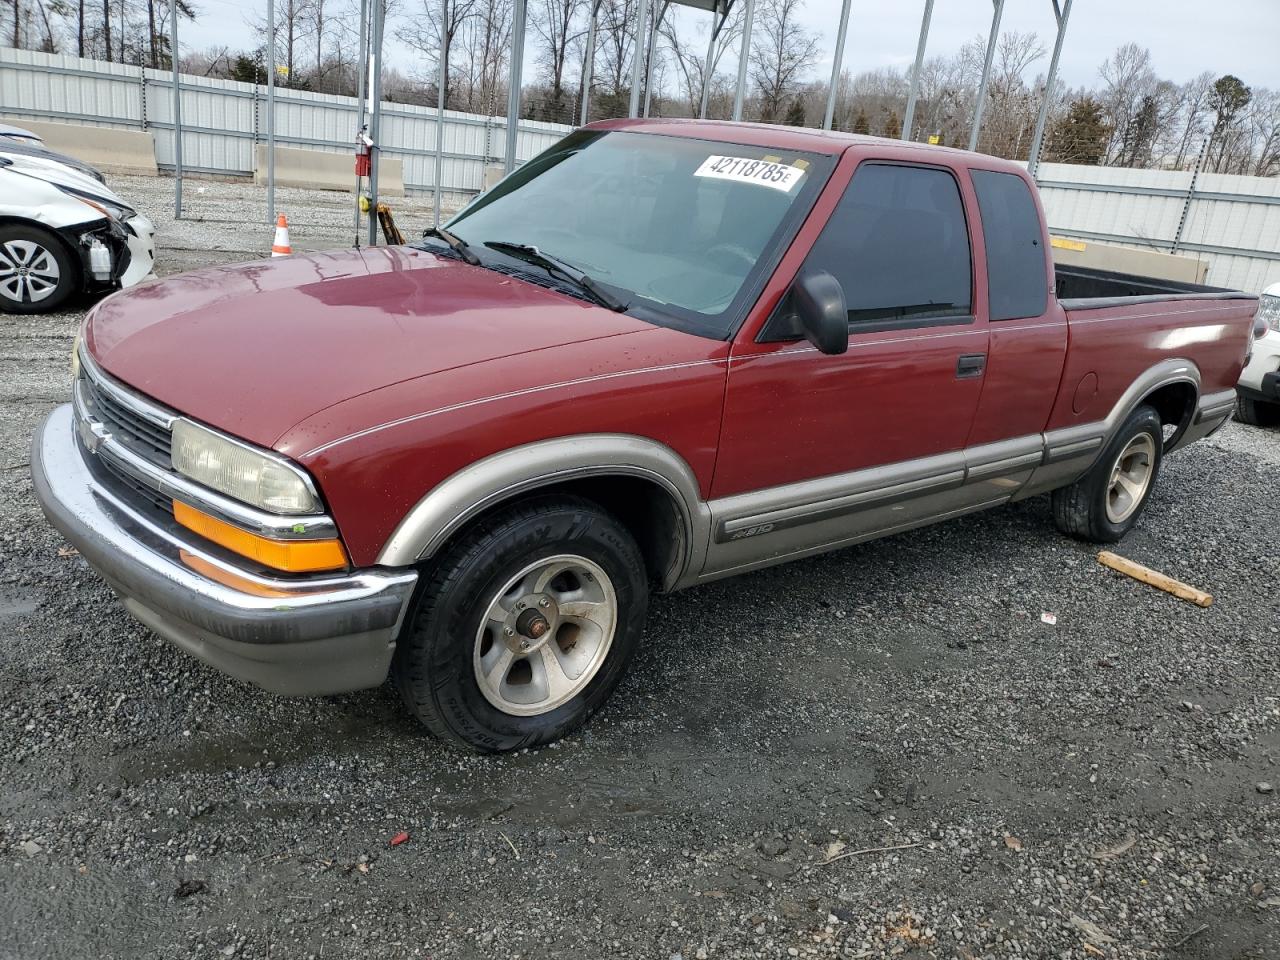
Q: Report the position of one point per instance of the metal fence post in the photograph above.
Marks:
(648, 67)
(271, 111)
(836, 64)
(375, 113)
(742, 59)
(986, 74)
(142, 92)
(362, 68)
(1037, 138)
(642, 17)
(908, 122)
(440, 82)
(513, 92)
(706, 70)
(588, 64)
(177, 112)
(1191, 195)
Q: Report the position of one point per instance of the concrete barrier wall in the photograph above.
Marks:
(110, 149)
(319, 170)
(1118, 259)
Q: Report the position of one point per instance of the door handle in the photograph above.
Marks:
(970, 366)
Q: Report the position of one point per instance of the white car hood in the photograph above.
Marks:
(59, 175)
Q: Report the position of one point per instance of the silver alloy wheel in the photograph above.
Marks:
(545, 635)
(28, 271)
(1130, 477)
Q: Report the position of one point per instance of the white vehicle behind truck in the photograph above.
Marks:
(1258, 392)
(63, 232)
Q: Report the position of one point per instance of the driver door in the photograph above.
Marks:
(821, 450)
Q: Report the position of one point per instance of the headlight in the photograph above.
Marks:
(239, 471)
(110, 210)
(1269, 310)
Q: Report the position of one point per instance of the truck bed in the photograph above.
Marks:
(1085, 288)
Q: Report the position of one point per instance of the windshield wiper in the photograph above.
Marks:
(456, 244)
(554, 265)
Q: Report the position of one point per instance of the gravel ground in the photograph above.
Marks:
(881, 752)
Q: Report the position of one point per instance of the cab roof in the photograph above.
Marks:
(830, 142)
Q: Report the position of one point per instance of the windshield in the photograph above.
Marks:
(681, 231)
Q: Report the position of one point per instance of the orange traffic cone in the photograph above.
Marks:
(280, 246)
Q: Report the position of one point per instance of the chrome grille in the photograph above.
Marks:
(108, 403)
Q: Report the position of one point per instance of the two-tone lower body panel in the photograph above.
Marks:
(301, 636)
(766, 527)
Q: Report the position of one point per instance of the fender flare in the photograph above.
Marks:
(509, 473)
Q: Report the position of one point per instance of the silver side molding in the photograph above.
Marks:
(504, 475)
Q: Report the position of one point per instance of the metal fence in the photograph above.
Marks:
(223, 119)
(1232, 222)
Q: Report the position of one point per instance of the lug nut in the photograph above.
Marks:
(544, 603)
(524, 644)
(509, 632)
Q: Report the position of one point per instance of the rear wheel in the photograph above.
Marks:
(1104, 504)
(1257, 413)
(37, 272)
(524, 626)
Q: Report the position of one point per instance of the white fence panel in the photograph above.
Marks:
(223, 119)
(1233, 222)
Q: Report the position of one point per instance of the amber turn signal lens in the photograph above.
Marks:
(293, 556)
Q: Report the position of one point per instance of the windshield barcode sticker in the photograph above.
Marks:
(779, 176)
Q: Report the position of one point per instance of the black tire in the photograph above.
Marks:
(434, 668)
(20, 300)
(1080, 510)
(1257, 413)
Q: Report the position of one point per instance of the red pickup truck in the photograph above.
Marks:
(660, 353)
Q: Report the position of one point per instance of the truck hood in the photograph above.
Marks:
(254, 349)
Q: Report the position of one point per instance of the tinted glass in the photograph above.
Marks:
(899, 246)
(1016, 275)
(673, 224)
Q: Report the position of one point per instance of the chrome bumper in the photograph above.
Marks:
(318, 635)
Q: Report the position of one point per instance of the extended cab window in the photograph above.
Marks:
(899, 245)
(1016, 277)
(680, 230)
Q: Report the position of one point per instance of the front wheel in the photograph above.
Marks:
(1104, 504)
(524, 626)
(36, 270)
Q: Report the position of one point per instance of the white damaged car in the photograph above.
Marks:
(62, 232)
(1258, 392)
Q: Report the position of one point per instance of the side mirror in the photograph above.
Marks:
(818, 301)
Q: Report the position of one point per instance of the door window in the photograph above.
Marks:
(1016, 277)
(899, 245)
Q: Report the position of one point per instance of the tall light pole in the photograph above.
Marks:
(835, 67)
(1062, 14)
(742, 59)
(642, 17)
(908, 122)
(271, 111)
(177, 111)
(441, 82)
(514, 84)
(986, 74)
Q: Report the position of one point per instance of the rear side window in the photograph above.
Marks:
(1016, 275)
(899, 245)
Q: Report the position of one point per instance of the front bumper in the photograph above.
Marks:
(140, 237)
(312, 636)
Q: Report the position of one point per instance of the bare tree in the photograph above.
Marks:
(554, 21)
(781, 53)
(690, 57)
(424, 34)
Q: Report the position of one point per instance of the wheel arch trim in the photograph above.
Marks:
(502, 476)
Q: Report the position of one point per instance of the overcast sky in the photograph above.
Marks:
(1184, 36)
